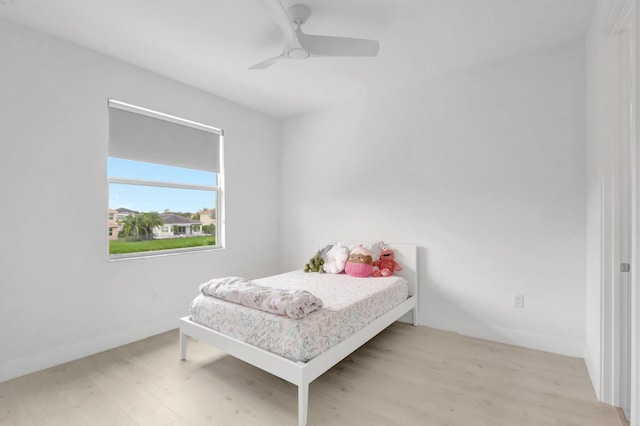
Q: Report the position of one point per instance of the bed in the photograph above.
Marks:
(301, 367)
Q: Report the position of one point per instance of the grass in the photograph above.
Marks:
(121, 246)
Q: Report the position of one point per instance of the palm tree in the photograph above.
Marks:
(131, 226)
(149, 221)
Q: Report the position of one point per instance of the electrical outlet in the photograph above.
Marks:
(518, 300)
(154, 294)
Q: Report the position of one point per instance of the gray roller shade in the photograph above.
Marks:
(143, 135)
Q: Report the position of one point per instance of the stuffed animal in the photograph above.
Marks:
(387, 264)
(335, 259)
(315, 263)
(359, 263)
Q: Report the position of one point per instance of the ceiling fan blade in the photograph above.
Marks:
(266, 63)
(337, 46)
(282, 19)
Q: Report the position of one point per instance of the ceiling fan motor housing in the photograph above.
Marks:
(299, 14)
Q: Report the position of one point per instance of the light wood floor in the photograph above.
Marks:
(404, 376)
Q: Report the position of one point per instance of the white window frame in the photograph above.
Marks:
(218, 189)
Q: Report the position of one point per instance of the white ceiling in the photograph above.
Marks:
(210, 44)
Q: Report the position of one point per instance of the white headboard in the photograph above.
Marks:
(405, 255)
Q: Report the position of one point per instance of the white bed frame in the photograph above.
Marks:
(303, 373)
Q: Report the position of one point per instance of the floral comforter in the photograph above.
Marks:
(349, 304)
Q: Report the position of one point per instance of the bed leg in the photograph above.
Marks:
(415, 316)
(303, 403)
(183, 346)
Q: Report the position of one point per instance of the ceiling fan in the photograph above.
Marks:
(299, 45)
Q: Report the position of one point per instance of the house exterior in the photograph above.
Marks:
(112, 225)
(208, 217)
(121, 213)
(177, 226)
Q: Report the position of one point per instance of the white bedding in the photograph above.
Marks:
(349, 304)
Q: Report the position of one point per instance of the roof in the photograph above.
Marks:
(174, 219)
(123, 210)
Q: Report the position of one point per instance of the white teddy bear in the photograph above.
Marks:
(335, 259)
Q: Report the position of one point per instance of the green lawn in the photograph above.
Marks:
(121, 246)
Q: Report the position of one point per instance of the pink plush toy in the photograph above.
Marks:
(359, 263)
(386, 265)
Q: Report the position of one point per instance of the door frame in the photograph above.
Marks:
(623, 15)
(635, 199)
(624, 189)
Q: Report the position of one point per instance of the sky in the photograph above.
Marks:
(151, 198)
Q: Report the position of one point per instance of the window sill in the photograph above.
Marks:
(160, 253)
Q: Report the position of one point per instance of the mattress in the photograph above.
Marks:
(349, 304)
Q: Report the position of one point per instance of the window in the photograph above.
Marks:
(164, 174)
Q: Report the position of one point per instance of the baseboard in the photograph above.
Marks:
(593, 369)
(572, 348)
(50, 358)
(621, 417)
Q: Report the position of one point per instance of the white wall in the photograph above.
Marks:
(484, 170)
(59, 297)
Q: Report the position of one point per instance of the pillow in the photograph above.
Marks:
(374, 246)
(335, 259)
